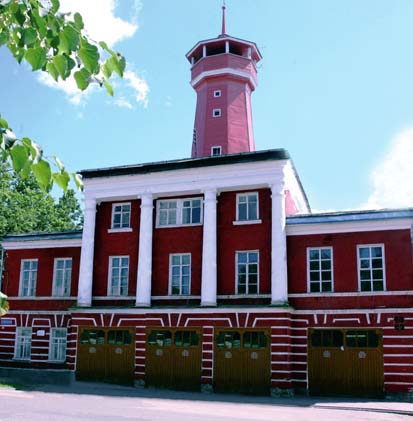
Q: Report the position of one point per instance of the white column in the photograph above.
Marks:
(84, 295)
(204, 51)
(144, 280)
(279, 278)
(209, 250)
(227, 47)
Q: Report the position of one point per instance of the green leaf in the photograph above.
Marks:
(29, 36)
(43, 174)
(106, 48)
(52, 70)
(107, 68)
(89, 54)
(78, 21)
(60, 63)
(19, 157)
(62, 179)
(32, 147)
(78, 180)
(69, 40)
(36, 57)
(4, 36)
(55, 6)
(3, 123)
(82, 79)
(108, 86)
(114, 64)
(59, 163)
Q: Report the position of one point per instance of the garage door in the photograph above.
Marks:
(346, 362)
(242, 361)
(106, 355)
(173, 358)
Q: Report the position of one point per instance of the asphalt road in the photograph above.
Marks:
(95, 403)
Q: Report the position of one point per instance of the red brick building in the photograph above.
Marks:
(212, 273)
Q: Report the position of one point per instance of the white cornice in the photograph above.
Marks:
(224, 71)
(229, 177)
(41, 244)
(353, 226)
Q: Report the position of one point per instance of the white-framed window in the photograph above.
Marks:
(23, 346)
(371, 267)
(167, 212)
(216, 151)
(28, 278)
(180, 274)
(62, 276)
(216, 112)
(320, 269)
(121, 215)
(175, 212)
(217, 93)
(247, 206)
(58, 341)
(247, 272)
(118, 276)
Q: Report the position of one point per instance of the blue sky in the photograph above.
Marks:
(335, 90)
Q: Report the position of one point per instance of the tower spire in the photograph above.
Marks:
(224, 26)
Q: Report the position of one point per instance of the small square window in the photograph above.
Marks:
(216, 151)
(216, 112)
(217, 93)
(371, 268)
(247, 207)
(121, 215)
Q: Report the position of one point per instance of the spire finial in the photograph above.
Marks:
(224, 28)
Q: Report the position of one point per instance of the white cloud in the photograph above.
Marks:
(101, 24)
(392, 178)
(122, 102)
(68, 86)
(139, 86)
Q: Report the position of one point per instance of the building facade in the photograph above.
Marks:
(212, 273)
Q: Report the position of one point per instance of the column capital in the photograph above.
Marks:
(277, 189)
(90, 204)
(146, 200)
(210, 194)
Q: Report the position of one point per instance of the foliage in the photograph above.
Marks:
(56, 43)
(25, 207)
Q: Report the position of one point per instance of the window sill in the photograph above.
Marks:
(56, 361)
(248, 222)
(115, 230)
(179, 225)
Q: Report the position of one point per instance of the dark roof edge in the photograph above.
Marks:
(180, 164)
(32, 236)
(350, 216)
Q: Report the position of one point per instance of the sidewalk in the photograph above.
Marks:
(353, 404)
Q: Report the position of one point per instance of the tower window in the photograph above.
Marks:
(216, 151)
(217, 93)
(216, 112)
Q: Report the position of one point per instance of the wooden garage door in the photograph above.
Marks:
(242, 361)
(106, 355)
(173, 358)
(345, 362)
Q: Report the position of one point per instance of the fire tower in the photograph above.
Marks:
(223, 75)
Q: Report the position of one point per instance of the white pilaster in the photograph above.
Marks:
(204, 51)
(279, 278)
(227, 47)
(209, 250)
(84, 295)
(144, 279)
